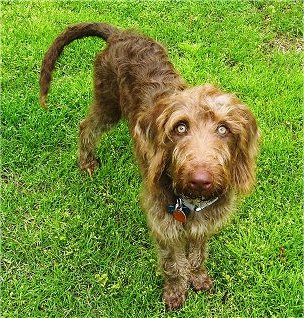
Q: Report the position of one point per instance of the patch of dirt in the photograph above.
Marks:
(285, 44)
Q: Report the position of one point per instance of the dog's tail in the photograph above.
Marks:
(72, 33)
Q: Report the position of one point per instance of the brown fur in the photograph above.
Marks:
(134, 79)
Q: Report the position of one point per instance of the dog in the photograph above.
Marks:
(196, 146)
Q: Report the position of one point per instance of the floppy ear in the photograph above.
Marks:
(246, 150)
(156, 168)
(150, 146)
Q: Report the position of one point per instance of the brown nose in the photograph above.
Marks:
(200, 180)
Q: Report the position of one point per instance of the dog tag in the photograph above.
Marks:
(179, 216)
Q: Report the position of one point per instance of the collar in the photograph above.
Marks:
(183, 206)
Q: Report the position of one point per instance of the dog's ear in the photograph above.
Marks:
(156, 167)
(246, 151)
(145, 132)
(150, 145)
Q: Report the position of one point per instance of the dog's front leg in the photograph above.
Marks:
(175, 268)
(197, 254)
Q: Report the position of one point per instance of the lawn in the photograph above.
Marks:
(76, 247)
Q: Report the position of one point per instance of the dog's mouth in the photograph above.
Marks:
(198, 196)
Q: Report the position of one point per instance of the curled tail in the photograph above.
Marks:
(72, 33)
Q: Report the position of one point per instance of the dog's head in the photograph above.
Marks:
(204, 140)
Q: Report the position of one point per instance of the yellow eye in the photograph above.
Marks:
(181, 128)
(222, 130)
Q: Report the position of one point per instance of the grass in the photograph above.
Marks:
(75, 247)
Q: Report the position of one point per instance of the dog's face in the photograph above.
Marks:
(206, 141)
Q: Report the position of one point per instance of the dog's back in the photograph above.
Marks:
(133, 59)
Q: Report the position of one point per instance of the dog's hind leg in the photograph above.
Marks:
(103, 114)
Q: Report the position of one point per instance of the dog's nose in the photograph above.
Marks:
(200, 180)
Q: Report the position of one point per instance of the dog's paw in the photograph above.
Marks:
(89, 166)
(174, 296)
(200, 280)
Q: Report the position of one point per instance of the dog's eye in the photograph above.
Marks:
(181, 128)
(222, 130)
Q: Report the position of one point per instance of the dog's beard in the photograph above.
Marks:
(198, 195)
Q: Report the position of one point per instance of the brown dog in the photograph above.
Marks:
(196, 147)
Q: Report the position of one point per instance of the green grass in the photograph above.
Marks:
(75, 247)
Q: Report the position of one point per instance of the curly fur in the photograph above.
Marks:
(133, 78)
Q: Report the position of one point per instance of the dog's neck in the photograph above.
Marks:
(184, 206)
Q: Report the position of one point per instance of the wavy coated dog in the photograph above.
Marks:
(196, 146)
